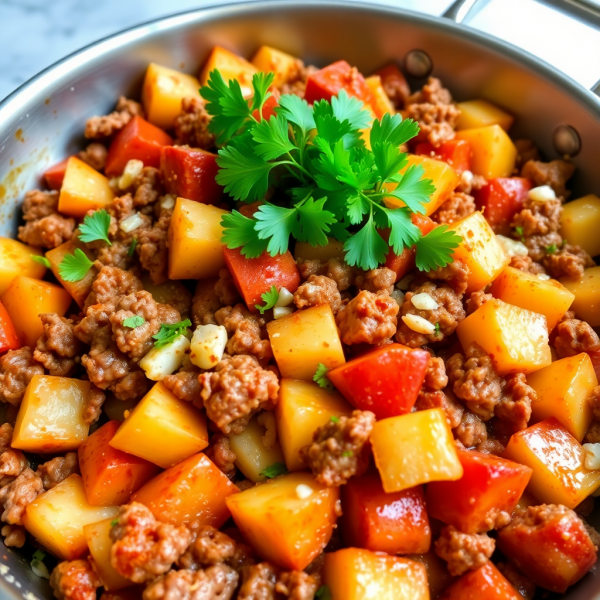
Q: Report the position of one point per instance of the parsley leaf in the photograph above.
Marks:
(132, 247)
(168, 333)
(74, 267)
(366, 248)
(42, 260)
(551, 249)
(272, 138)
(133, 322)
(437, 329)
(348, 108)
(95, 227)
(276, 224)
(519, 232)
(323, 593)
(260, 83)
(347, 454)
(393, 130)
(274, 470)
(412, 189)
(436, 248)
(334, 419)
(239, 232)
(270, 299)
(403, 232)
(321, 379)
(313, 222)
(297, 111)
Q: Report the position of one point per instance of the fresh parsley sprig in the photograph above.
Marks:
(95, 227)
(321, 379)
(274, 470)
(42, 260)
(168, 332)
(332, 184)
(270, 299)
(133, 322)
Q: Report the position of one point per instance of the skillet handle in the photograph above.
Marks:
(459, 10)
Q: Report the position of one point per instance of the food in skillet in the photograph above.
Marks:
(302, 335)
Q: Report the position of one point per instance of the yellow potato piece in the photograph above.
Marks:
(580, 223)
(57, 517)
(382, 103)
(413, 449)
(302, 408)
(481, 113)
(231, 66)
(15, 259)
(270, 60)
(304, 339)
(587, 295)
(162, 429)
(195, 247)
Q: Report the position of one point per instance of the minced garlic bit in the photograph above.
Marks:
(208, 345)
(512, 247)
(285, 298)
(466, 177)
(542, 193)
(592, 456)
(282, 311)
(543, 276)
(131, 223)
(398, 296)
(424, 301)
(160, 362)
(132, 169)
(168, 202)
(303, 491)
(419, 324)
(404, 283)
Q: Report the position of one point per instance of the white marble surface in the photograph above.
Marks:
(36, 33)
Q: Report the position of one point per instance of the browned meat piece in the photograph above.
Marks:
(475, 381)
(38, 204)
(297, 585)
(152, 248)
(191, 126)
(57, 348)
(368, 318)
(526, 151)
(205, 303)
(147, 187)
(236, 389)
(12, 462)
(476, 300)
(462, 551)
(555, 174)
(376, 280)
(115, 255)
(133, 385)
(245, 334)
(96, 317)
(220, 452)
(93, 405)
(296, 81)
(48, 232)
(103, 127)
(225, 289)
(445, 317)
(144, 548)
(336, 452)
(592, 435)
(94, 155)
(258, 582)
(568, 261)
(594, 401)
(318, 290)
(438, 399)
(334, 268)
(573, 337)
(58, 469)
(435, 376)
(524, 586)
(120, 208)
(456, 275)
(539, 246)
(525, 263)
(514, 408)
(75, 580)
(491, 446)
(215, 583)
(14, 536)
(6, 433)
(18, 495)
(208, 547)
(538, 218)
(471, 431)
(185, 385)
(457, 207)
(112, 282)
(17, 367)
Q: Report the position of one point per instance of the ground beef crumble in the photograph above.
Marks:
(568, 261)
(75, 580)
(336, 452)
(573, 337)
(58, 349)
(17, 368)
(477, 300)
(93, 404)
(514, 408)
(225, 289)
(265, 582)
(594, 401)
(457, 207)
(14, 536)
(296, 585)
(526, 151)
(191, 125)
(343, 274)
(58, 469)
(471, 431)
(184, 384)
(205, 303)
(94, 155)
(104, 127)
(555, 174)
(318, 290)
(220, 452)
(18, 495)
(462, 551)
(376, 280)
(526, 263)
(445, 400)
(12, 462)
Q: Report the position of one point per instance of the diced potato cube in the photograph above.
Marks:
(160, 362)
(302, 408)
(563, 389)
(83, 189)
(208, 345)
(304, 339)
(163, 91)
(558, 462)
(193, 490)
(98, 540)
(195, 247)
(50, 417)
(284, 525)
(580, 223)
(494, 154)
(515, 338)
(545, 296)
(333, 249)
(356, 574)
(485, 582)
(57, 518)
(162, 429)
(587, 295)
(253, 456)
(269, 60)
(481, 113)
(381, 103)
(231, 66)
(480, 250)
(27, 298)
(415, 448)
(444, 178)
(15, 259)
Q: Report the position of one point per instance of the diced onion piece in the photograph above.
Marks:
(542, 193)
(132, 169)
(160, 362)
(282, 311)
(40, 569)
(424, 301)
(398, 296)
(419, 324)
(303, 491)
(404, 283)
(168, 202)
(544, 276)
(592, 456)
(285, 298)
(512, 247)
(208, 345)
(132, 222)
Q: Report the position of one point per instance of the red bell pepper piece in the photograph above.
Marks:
(483, 583)
(405, 261)
(9, 340)
(457, 153)
(111, 476)
(385, 381)
(255, 276)
(392, 78)
(327, 82)
(490, 485)
(138, 140)
(394, 523)
(501, 199)
(271, 103)
(190, 173)
(54, 175)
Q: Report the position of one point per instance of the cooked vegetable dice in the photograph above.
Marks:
(380, 102)
(9, 340)
(15, 260)
(580, 223)
(481, 113)
(457, 153)
(231, 66)
(486, 582)
(162, 361)
(587, 295)
(55, 175)
(270, 60)
(288, 520)
(329, 80)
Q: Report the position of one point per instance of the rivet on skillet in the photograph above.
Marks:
(566, 141)
(418, 64)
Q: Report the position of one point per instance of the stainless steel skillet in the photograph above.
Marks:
(42, 121)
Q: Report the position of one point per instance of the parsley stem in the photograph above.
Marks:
(299, 166)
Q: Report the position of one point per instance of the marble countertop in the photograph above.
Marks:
(36, 33)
